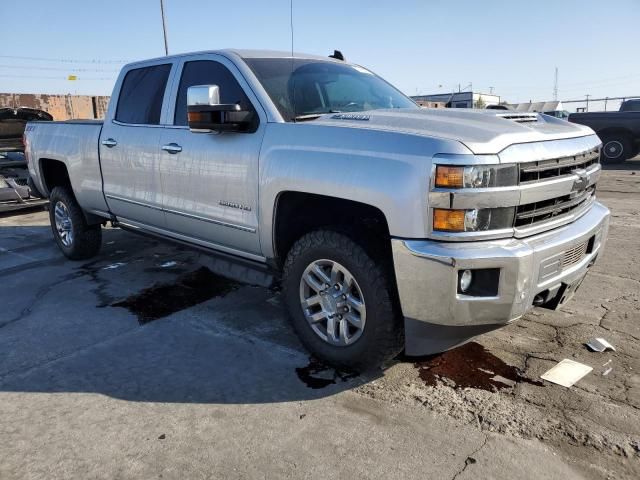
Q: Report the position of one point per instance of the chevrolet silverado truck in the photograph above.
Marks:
(619, 131)
(389, 226)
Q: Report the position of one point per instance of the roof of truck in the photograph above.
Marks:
(243, 54)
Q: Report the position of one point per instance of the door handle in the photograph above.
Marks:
(172, 148)
(109, 143)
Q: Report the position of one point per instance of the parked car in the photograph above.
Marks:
(619, 131)
(12, 123)
(17, 190)
(392, 226)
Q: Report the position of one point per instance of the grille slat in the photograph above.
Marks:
(532, 213)
(545, 170)
(574, 255)
(548, 169)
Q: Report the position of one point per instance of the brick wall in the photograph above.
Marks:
(62, 107)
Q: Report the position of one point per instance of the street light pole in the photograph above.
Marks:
(164, 28)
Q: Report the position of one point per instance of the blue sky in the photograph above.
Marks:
(420, 46)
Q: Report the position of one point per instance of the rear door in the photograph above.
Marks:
(130, 145)
(210, 180)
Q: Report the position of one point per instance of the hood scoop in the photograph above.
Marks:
(519, 117)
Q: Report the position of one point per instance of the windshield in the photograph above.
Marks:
(306, 88)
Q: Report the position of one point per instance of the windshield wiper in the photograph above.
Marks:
(313, 116)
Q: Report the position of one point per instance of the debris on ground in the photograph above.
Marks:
(113, 266)
(566, 373)
(599, 345)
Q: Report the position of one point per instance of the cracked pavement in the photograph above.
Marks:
(214, 390)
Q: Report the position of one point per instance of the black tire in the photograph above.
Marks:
(616, 148)
(383, 335)
(86, 239)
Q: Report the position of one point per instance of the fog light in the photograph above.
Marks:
(465, 280)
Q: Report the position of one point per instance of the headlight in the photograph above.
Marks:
(476, 176)
(476, 220)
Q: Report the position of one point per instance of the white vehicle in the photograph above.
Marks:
(392, 226)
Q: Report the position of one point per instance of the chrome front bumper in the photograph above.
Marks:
(437, 317)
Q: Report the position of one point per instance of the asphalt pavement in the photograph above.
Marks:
(142, 363)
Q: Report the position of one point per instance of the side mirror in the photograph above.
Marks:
(205, 113)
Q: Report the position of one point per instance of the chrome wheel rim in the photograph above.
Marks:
(332, 302)
(63, 224)
(613, 149)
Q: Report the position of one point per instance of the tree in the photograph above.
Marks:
(479, 103)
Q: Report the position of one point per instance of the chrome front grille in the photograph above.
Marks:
(574, 255)
(544, 210)
(557, 167)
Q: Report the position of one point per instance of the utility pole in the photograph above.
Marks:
(491, 90)
(587, 101)
(164, 28)
(555, 86)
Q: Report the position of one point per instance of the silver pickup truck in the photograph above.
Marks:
(391, 226)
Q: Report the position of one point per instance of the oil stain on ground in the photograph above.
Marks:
(317, 375)
(470, 366)
(190, 289)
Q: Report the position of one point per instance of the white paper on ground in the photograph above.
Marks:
(600, 345)
(566, 373)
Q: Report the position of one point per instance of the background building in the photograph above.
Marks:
(461, 99)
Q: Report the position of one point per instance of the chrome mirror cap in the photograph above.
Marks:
(203, 95)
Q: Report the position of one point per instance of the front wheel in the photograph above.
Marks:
(341, 302)
(616, 148)
(76, 239)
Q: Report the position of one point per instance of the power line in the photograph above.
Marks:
(64, 69)
(66, 60)
(56, 78)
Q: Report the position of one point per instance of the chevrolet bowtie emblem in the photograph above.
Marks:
(582, 181)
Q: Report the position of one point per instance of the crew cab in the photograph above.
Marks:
(389, 226)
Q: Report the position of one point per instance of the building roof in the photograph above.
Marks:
(551, 106)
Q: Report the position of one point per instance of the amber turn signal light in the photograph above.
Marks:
(448, 220)
(449, 177)
(195, 117)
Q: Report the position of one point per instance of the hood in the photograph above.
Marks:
(481, 131)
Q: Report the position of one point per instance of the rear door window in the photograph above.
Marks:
(141, 95)
(208, 72)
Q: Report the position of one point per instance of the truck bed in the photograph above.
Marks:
(75, 143)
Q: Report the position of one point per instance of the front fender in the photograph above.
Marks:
(387, 170)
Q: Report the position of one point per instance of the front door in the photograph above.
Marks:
(210, 180)
(130, 148)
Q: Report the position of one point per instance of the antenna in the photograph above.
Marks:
(555, 86)
(293, 93)
(291, 25)
(164, 28)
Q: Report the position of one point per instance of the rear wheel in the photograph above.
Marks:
(616, 148)
(76, 239)
(341, 302)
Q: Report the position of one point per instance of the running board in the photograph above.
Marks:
(224, 264)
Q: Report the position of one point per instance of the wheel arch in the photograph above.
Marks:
(296, 213)
(615, 131)
(55, 173)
